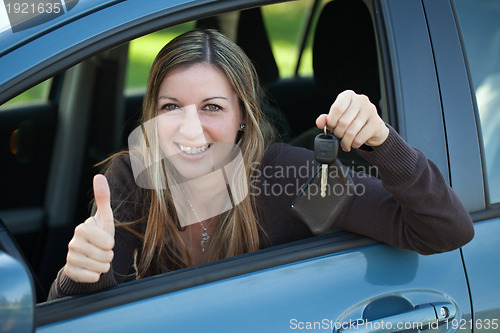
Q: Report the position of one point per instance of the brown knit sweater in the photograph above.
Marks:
(410, 206)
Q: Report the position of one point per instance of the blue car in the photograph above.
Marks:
(72, 80)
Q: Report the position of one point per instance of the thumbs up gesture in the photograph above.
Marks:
(90, 251)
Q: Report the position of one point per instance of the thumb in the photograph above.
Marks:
(104, 215)
(321, 121)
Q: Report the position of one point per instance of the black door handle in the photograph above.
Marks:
(423, 316)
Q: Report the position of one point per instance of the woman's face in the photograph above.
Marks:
(198, 118)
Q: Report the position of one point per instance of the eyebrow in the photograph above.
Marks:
(205, 100)
(168, 97)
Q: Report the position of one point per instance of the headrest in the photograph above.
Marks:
(345, 51)
(210, 22)
(251, 36)
(253, 39)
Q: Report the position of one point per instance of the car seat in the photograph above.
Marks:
(344, 57)
(345, 51)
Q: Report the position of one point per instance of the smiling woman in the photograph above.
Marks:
(180, 130)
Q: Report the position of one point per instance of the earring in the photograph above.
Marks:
(240, 133)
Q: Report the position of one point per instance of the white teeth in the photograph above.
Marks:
(193, 150)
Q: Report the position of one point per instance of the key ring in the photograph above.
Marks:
(324, 129)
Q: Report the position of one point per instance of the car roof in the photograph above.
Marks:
(21, 24)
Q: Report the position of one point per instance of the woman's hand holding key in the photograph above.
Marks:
(354, 120)
(90, 251)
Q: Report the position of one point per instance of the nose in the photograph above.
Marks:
(191, 128)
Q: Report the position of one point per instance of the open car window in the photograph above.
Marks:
(37, 94)
(121, 71)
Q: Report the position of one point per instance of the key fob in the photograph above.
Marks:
(326, 148)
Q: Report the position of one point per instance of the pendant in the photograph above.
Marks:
(204, 239)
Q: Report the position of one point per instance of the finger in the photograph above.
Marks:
(104, 214)
(321, 121)
(90, 233)
(339, 106)
(362, 137)
(351, 134)
(82, 275)
(79, 260)
(345, 122)
(92, 251)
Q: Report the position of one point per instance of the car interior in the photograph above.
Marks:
(50, 149)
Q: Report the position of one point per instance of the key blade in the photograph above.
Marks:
(324, 179)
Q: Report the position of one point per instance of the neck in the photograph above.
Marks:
(201, 199)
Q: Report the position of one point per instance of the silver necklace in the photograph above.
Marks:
(205, 237)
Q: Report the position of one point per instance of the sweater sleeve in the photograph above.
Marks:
(413, 209)
(126, 208)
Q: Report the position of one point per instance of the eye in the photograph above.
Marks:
(212, 107)
(169, 107)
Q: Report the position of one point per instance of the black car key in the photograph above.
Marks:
(325, 150)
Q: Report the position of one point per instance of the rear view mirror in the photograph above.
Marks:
(17, 292)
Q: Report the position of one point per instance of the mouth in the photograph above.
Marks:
(193, 150)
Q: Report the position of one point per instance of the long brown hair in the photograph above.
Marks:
(238, 229)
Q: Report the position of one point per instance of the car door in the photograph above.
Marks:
(468, 73)
(335, 282)
(350, 287)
